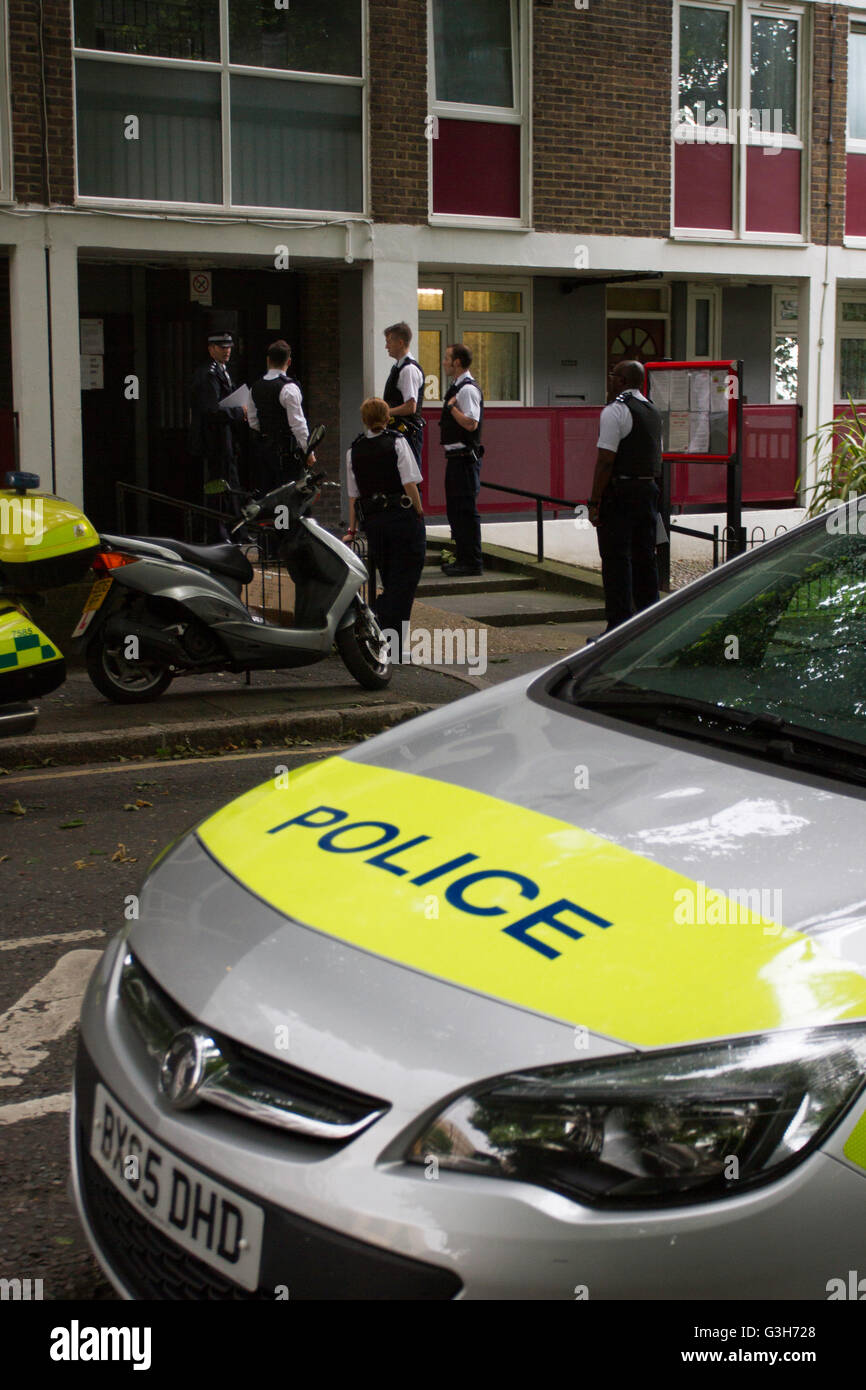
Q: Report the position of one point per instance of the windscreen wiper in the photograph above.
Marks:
(761, 734)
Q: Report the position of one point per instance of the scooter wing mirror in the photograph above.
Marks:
(20, 482)
(315, 439)
(216, 486)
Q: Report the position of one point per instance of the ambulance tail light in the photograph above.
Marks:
(655, 1129)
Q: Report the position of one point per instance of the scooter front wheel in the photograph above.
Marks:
(365, 651)
(122, 680)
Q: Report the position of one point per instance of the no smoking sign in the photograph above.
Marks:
(200, 286)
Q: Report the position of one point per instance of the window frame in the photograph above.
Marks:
(790, 328)
(713, 293)
(519, 114)
(226, 71)
(740, 16)
(843, 331)
(853, 144)
(454, 321)
(7, 190)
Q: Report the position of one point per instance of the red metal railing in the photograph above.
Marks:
(552, 449)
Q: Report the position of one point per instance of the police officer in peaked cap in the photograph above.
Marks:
(213, 432)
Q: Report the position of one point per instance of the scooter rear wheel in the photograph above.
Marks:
(364, 651)
(121, 680)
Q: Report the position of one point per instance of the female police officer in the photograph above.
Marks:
(382, 478)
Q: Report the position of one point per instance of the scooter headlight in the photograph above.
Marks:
(656, 1129)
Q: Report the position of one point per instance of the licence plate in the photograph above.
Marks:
(212, 1222)
(93, 601)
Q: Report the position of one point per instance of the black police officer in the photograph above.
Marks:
(276, 419)
(212, 431)
(405, 386)
(625, 495)
(382, 479)
(460, 431)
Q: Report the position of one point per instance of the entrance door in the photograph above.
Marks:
(634, 339)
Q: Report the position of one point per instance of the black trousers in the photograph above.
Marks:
(627, 545)
(462, 485)
(397, 543)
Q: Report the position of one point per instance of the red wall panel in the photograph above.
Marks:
(476, 168)
(772, 189)
(702, 195)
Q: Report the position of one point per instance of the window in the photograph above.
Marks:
(221, 103)
(786, 343)
(477, 77)
(851, 346)
(739, 161)
(492, 320)
(703, 323)
(855, 190)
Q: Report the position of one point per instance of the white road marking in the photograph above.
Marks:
(50, 939)
(32, 1109)
(98, 771)
(42, 1015)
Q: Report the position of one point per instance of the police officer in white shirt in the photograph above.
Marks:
(276, 417)
(625, 495)
(382, 478)
(460, 426)
(404, 388)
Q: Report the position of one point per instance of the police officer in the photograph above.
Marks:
(277, 420)
(382, 482)
(405, 387)
(625, 495)
(460, 430)
(212, 431)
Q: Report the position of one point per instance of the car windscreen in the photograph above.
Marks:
(777, 646)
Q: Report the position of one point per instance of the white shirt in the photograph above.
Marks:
(410, 382)
(616, 422)
(468, 399)
(409, 470)
(290, 400)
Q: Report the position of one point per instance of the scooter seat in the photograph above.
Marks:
(224, 558)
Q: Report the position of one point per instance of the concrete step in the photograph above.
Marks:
(519, 607)
(549, 574)
(433, 583)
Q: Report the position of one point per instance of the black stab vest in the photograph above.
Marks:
(273, 421)
(394, 396)
(640, 453)
(374, 462)
(449, 430)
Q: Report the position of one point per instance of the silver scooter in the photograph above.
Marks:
(162, 608)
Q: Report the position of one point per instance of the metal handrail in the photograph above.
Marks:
(188, 508)
(539, 498)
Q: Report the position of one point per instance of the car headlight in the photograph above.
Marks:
(655, 1129)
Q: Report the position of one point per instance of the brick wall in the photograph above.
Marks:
(34, 179)
(318, 348)
(398, 107)
(824, 47)
(601, 117)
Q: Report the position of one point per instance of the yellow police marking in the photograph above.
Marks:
(528, 908)
(22, 643)
(855, 1144)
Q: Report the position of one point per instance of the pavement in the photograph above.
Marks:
(201, 715)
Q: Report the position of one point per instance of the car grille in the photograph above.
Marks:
(309, 1260)
(243, 1080)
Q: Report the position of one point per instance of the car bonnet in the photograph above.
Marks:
(568, 866)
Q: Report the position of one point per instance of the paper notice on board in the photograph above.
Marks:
(92, 371)
(679, 390)
(718, 392)
(678, 433)
(661, 391)
(699, 432)
(699, 391)
(92, 337)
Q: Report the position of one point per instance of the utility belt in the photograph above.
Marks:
(383, 502)
(465, 453)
